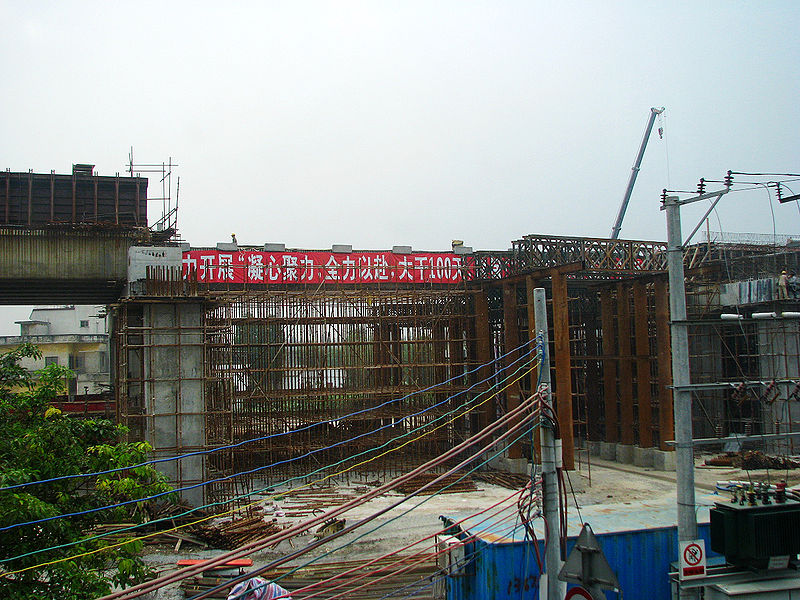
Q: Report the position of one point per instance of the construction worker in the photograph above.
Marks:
(783, 286)
(257, 588)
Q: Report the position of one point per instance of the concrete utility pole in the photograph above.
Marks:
(682, 397)
(681, 377)
(552, 557)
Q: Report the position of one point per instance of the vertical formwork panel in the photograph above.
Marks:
(563, 366)
(626, 407)
(666, 423)
(610, 365)
(643, 385)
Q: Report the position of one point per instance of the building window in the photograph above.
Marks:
(50, 360)
(84, 324)
(77, 363)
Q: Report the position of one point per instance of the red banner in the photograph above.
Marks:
(252, 266)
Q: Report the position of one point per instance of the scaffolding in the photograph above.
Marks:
(286, 379)
(297, 379)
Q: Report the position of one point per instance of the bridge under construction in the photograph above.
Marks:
(287, 358)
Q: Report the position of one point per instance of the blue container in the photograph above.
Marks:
(500, 567)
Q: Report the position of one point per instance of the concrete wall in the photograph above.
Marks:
(69, 265)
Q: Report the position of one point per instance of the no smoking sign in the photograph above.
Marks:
(693, 559)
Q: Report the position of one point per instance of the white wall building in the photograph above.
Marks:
(71, 336)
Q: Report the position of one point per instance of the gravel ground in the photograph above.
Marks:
(602, 482)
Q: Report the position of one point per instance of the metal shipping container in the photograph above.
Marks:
(498, 564)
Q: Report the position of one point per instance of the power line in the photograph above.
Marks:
(262, 438)
(250, 493)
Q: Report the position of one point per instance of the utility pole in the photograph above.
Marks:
(550, 457)
(682, 397)
(681, 377)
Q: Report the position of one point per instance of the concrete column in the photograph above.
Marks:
(174, 391)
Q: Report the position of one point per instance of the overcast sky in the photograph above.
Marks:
(382, 123)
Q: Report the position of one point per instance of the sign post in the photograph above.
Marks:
(587, 565)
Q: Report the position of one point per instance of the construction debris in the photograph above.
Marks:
(330, 527)
(237, 532)
(512, 481)
(452, 484)
(752, 460)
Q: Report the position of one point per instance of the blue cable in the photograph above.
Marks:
(225, 478)
(249, 493)
(258, 439)
(313, 560)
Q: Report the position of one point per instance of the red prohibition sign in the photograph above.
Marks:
(578, 592)
(692, 554)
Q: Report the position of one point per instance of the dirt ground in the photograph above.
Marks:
(598, 483)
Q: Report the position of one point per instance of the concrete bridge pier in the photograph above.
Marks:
(160, 385)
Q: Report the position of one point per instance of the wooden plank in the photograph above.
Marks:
(483, 349)
(642, 334)
(626, 420)
(52, 196)
(530, 286)
(116, 200)
(30, 198)
(138, 205)
(666, 423)
(511, 337)
(563, 387)
(233, 563)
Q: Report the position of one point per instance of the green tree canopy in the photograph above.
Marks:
(38, 443)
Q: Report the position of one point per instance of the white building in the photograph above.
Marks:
(71, 336)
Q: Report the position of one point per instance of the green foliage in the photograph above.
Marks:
(37, 442)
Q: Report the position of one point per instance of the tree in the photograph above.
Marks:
(39, 443)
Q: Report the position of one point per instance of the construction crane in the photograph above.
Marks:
(654, 112)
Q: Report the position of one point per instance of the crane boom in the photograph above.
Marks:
(634, 172)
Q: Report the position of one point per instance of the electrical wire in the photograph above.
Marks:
(261, 570)
(258, 491)
(262, 438)
(421, 553)
(227, 477)
(506, 420)
(95, 551)
(425, 558)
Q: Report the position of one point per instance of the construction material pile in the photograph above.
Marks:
(238, 531)
(452, 484)
(165, 525)
(753, 460)
(304, 502)
(512, 481)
